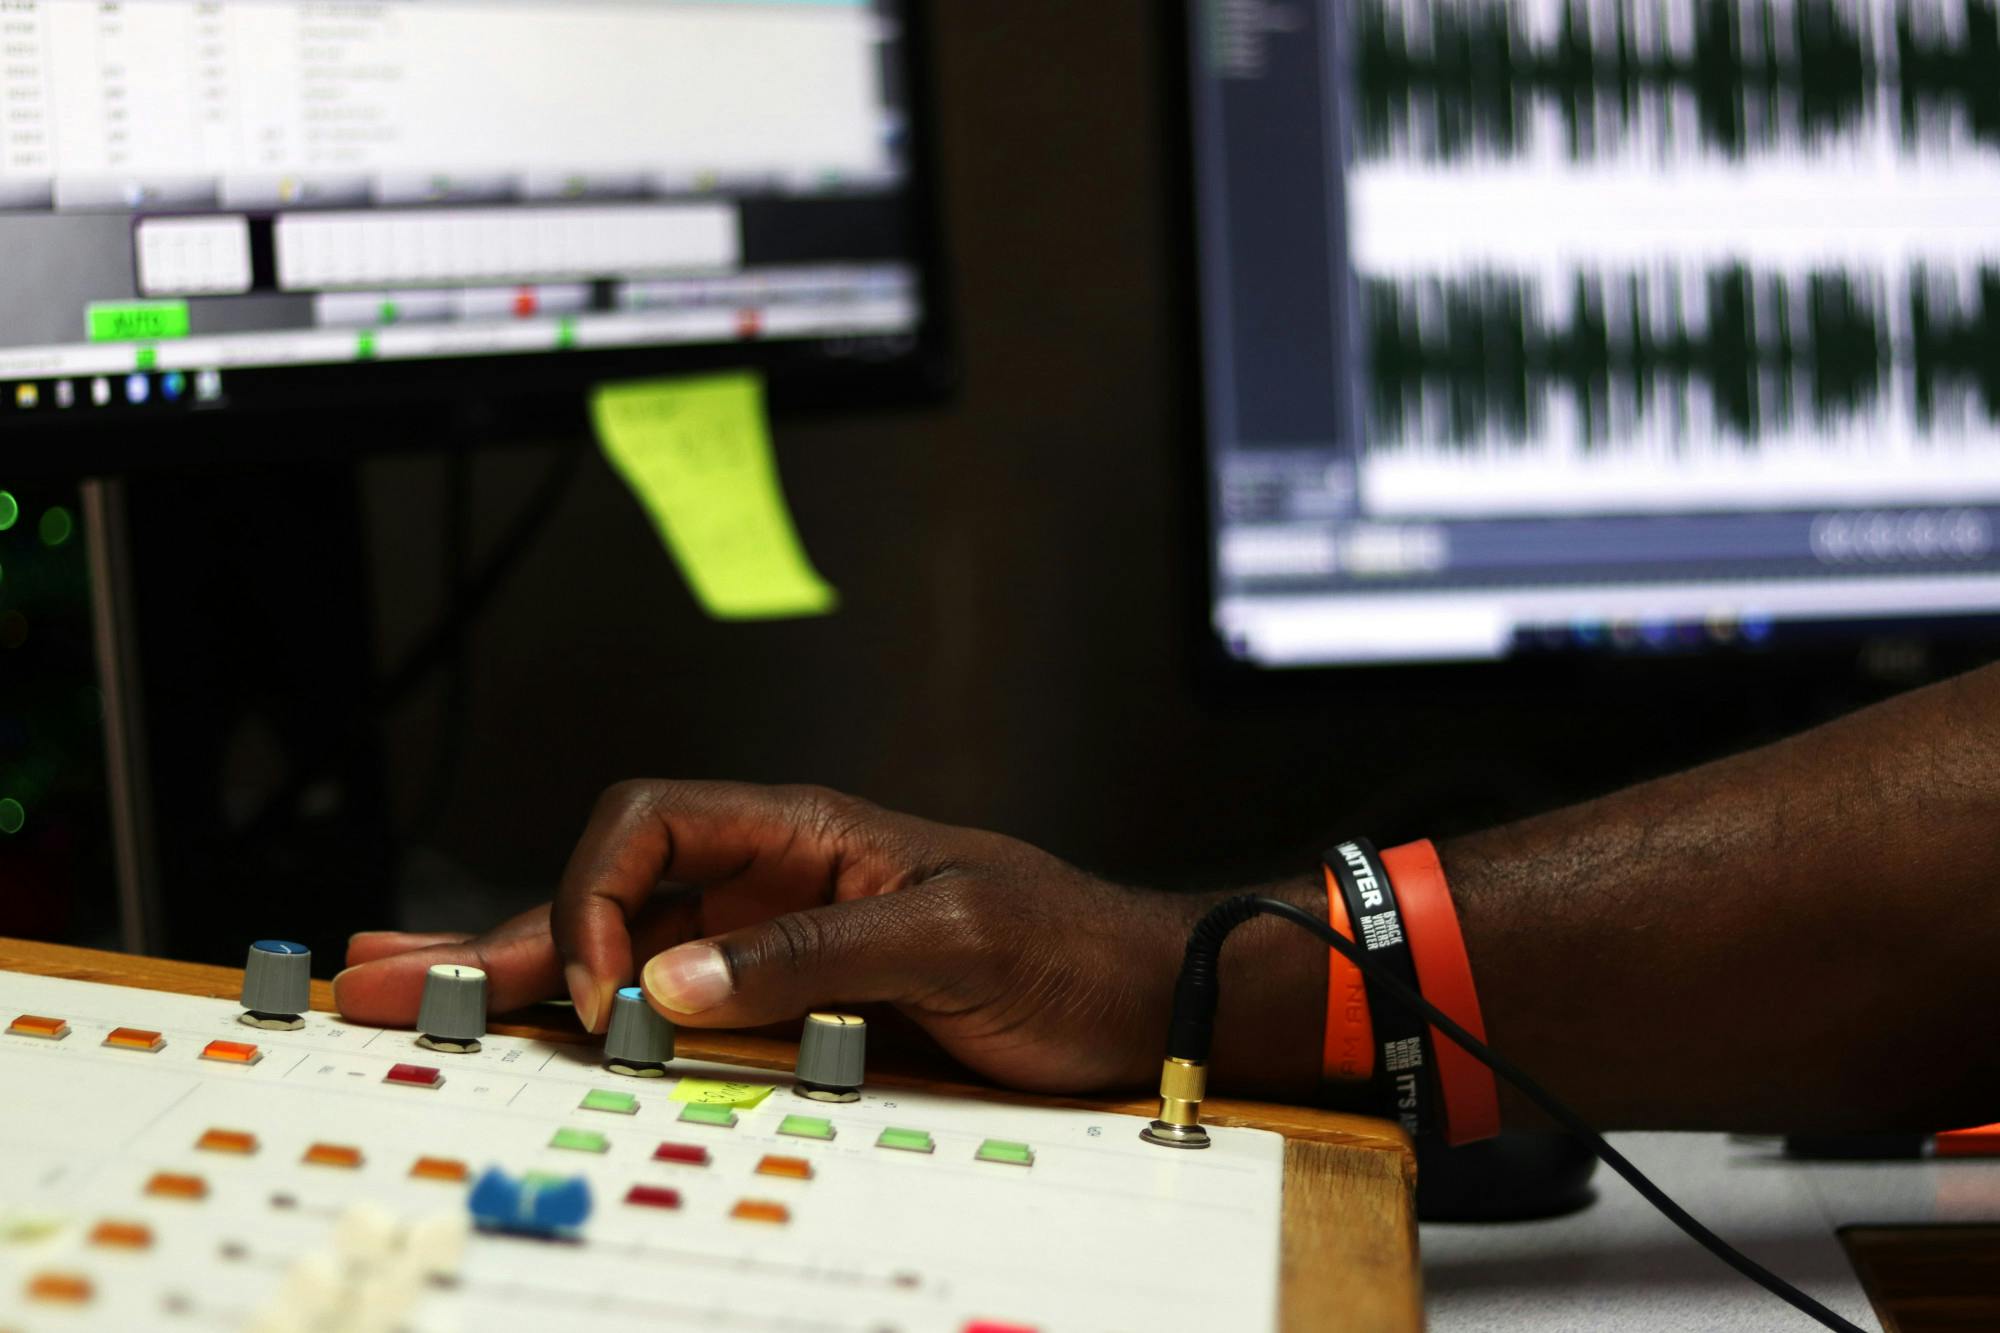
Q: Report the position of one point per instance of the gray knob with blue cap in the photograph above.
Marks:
(452, 1017)
(639, 1042)
(277, 985)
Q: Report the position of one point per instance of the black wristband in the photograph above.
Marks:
(1402, 1041)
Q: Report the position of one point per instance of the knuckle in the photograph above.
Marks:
(968, 919)
(794, 944)
(629, 795)
(830, 816)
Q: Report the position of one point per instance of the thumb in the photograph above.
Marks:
(889, 948)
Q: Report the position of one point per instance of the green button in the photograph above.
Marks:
(136, 321)
(1013, 1154)
(618, 1103)
(145, 358)
(364, 345)
(580, 1140)
(388, 313)
(566, 334)
(909, 1140)
(707, 1113)
(806, 1127)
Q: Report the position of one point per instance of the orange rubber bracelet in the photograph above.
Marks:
(1349, 1056)
(1444, 971)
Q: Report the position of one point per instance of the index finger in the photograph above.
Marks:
(782, 848)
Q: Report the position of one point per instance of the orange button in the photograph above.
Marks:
(232, 1052)
(333, 1154)
(122, 1235)
(227, 1140)
(60, 1288)
(134, 1039)
(33, 1025)
(167, 1185)
(791, 1168)
(761, 1210)
(438, 1168)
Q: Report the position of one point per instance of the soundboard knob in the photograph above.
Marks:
(277, 985)
(452, 1017)
(832, 1053)
(639, 1042)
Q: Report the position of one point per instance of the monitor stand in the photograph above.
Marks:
(127, 774)
(234, 637)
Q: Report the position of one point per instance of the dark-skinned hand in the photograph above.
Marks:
(738, 906)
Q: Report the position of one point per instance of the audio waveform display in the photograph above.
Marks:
(1487, 356)
(1445, 80)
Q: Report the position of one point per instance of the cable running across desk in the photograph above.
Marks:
(1193, 1027)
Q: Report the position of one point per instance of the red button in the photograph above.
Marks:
(687, 1154)
(988, 1326)
(417, 1076)
(652, 1196)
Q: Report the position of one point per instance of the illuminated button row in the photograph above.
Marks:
(243, 1143)
(816, 1127)
(133, 1039)
(766, 1211)
(747, 1209)
(191, 1188)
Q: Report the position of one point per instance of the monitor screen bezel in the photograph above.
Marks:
(1808, 649)
(388, 406)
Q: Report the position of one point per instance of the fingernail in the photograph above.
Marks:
(370, 934)
(339, 977)
(690, 978)
(583, 992)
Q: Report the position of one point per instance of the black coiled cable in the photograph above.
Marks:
(1192, 1031)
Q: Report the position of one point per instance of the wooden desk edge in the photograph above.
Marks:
(1350, 1238)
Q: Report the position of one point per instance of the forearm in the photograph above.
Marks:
(1802, 937)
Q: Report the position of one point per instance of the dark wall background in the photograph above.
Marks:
(1017, 643)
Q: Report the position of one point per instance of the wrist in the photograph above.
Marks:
(1269, 1025)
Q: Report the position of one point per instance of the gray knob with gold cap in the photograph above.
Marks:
(452, 1017)
(833, 1051)
(639, 1042)
(277, 985)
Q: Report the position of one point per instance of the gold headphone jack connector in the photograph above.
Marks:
(1183, 1083)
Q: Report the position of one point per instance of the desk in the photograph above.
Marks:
(1619, 1265)
(1350, 1242)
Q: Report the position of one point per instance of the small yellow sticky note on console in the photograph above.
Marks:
(697, 453)
(741, 1096)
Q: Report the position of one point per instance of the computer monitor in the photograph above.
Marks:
(1629, 325)
(218, 210)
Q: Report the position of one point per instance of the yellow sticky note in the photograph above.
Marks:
(697, 453)
(742, 1096)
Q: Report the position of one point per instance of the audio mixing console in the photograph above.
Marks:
(166, 1165)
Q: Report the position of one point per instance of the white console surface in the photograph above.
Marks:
(1100, 1231)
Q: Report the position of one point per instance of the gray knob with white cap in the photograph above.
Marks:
(452, 1017)
(833, 1051)
(639, 1042)
(277, 985)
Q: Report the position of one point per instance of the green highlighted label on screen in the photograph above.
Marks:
(137, 321)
